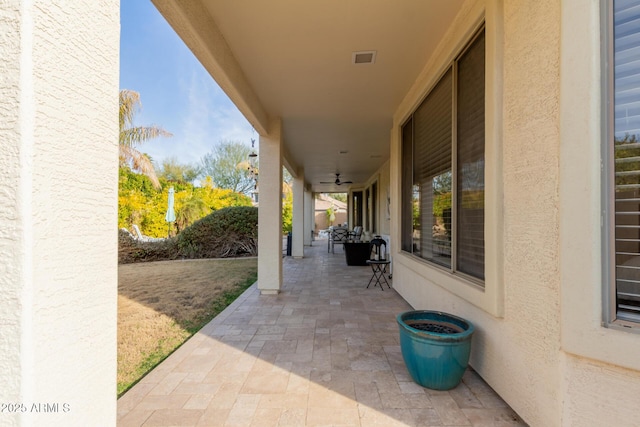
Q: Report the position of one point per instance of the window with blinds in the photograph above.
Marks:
(443, 168)
(432, 172)
(470, 160)
(406, 196)
(625, 146)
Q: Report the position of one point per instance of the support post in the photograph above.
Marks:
(298, 216)
(308, 218)
(270, 211)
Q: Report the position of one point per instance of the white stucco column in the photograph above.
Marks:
(270, 211)
(58, 212)
(308, 217)
(298, 216)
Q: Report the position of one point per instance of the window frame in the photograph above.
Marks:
(608, 275)
(611, 317)
(414, 274)
(584, 332)
(452, 67)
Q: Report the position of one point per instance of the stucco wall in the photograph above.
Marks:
(601, 372)
(599, 394)
(11, 252)
(516, 352)
(322, 223)
(384, 192)
(546, 351)
(58, 192)
(531, 208)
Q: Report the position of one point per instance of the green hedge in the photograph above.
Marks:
(228, 232)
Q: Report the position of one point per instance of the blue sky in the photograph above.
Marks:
(176, 91)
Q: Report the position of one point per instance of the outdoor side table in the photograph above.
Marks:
(379, 268)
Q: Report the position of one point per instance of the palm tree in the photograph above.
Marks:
(131, 136)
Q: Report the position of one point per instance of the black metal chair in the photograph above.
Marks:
(339, 235)
(378, 262)
(378, 247)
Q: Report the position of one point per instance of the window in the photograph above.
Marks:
(622, 159)
(357, 208)
(443, 168)
(374, 208)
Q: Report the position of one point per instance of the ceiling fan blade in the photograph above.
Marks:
(337, 181)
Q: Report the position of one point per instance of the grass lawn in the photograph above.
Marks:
(161, 304)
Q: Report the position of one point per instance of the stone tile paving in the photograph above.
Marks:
(324, 352)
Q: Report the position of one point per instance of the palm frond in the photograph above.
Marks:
(138, 135)
(129, 104)
(132, 136)
(138, 162)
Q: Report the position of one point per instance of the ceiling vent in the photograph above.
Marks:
(364, 57)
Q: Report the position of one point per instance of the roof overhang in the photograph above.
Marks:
(295, 60)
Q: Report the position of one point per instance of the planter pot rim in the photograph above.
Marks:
(436, 316)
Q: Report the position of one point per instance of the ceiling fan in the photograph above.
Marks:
(337, 181)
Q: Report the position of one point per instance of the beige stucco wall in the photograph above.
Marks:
(513, 351)
(531, 238)
(540, 343)
(58, 210)
(270, 229)
(11, 268)
(601, 369)
(322, 223)
(599, 394)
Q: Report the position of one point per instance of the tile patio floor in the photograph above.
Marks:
(324, 352)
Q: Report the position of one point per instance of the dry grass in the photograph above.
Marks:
(161, 304)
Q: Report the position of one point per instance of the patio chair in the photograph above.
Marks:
(356, 233)
(141, 237)
(378, 262)
(338, 235)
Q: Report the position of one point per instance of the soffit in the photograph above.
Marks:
(297, 57)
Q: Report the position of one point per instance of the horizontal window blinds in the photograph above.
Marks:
(626, 147)
(432, 123)
(470, 160)
(627, 67)
(432, 132)
(407, 185)
(443, 168)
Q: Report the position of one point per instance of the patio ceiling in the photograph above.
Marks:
(293, 59)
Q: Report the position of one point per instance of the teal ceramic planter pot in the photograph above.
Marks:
(435, 347)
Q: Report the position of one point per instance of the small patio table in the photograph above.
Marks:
(379, 268)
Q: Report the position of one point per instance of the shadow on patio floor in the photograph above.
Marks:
(325, 351)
